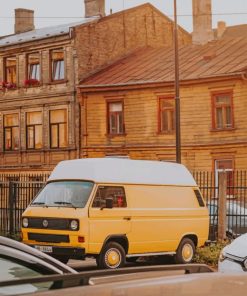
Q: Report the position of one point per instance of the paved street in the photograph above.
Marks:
(83, 265)
(90, 264)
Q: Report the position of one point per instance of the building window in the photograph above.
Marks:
(222, 111)
(34, 130)
(11, 132)
(166, 115)
(57, 65)
(58, 128)
(34, 67)
(115, 118)
(10, 70)
(117, 194)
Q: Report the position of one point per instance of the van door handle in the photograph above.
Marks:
(127, 218)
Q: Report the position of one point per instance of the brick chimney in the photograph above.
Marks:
(202, 22)
(24, 20)
(94, 8)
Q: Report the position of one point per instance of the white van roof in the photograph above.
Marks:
(123, 171)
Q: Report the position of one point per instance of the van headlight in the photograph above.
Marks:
(222, 256)
(25, 222)
(74, 225)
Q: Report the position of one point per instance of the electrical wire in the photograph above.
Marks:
(80, 17)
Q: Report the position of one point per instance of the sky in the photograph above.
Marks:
(54, 12)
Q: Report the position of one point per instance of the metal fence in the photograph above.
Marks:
(17, 191)
(234, 201)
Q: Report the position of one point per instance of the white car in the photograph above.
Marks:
(19, 262)
(233, 257)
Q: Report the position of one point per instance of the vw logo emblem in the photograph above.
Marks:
(45, 223)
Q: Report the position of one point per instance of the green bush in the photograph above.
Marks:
(210, 254)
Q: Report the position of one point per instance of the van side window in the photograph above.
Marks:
(114, 192)
(199, 198)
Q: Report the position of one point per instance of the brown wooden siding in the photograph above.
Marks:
(201, 144)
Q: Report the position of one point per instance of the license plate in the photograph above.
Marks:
(45, 249)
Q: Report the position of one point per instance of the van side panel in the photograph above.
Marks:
(162, 215)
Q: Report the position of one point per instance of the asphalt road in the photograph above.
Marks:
(82, 265)
(90, 264)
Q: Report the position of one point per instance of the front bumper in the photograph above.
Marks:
(73, 253)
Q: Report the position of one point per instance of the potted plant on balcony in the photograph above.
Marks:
(31, 82)
(7, 85)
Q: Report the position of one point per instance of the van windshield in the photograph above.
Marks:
(71, 194)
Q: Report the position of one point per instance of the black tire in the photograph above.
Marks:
(112, 256)
(185, 251)
(63, 259)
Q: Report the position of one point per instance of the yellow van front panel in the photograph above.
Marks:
(58, 213)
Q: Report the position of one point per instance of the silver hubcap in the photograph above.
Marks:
(187, 252)
(113, 258)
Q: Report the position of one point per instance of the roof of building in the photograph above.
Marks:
(123, 171)
(42, 33)
(64, 29)
(155, 65)
(235, 31)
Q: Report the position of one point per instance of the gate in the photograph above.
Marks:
(15, 196)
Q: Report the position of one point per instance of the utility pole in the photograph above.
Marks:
(177, 94)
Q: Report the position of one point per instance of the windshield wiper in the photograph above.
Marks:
(38, 203)
(63, 203)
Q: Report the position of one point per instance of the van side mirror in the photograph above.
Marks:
(109, 203)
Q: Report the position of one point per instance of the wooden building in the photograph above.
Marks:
(128, 108)
(40, 119)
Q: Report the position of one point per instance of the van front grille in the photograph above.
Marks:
(53, 223)
(48, 238)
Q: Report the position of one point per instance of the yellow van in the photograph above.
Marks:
(117, 210)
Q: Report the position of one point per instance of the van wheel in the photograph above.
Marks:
(185, 251)
(112, 256)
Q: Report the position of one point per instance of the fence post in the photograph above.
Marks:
(222, 205)
(11, 208)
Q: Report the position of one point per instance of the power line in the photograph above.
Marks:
(80, 17)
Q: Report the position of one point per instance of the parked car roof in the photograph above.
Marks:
(124, 171)
(87, 281)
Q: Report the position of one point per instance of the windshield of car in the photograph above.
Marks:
(13, 270)
(72, 194)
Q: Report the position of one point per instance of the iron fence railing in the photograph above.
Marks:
(235, 201)
(17, 191)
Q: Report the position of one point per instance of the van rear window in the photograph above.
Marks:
(199, 198)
